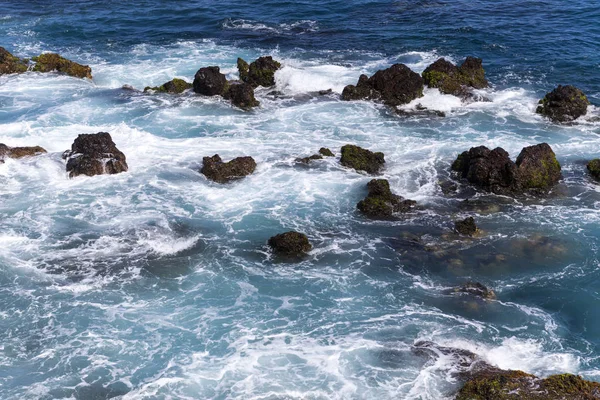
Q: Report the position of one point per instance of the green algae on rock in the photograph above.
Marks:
(450, 79)
(174, 86)
(290, 243)
(50, 62)
(362, 159)
(260, 72)
(563, 104)
(10, 64)
(381, 202)
(594, 168)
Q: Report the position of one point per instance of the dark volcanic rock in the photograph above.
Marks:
(53, 62)
(175, 86)
(476, 289)
(538, 167)
(10, 64)
(241, 95)
(260, 72)
(466, 226)
(306, 160)
(324, 151)
(394, 86)
(209, 81)
(563, 104)
(450, 79)
(222, 172)
(381, 202)
(361, 159)
(594, 168)
(94, 154)
(20, 152)
(290, 244)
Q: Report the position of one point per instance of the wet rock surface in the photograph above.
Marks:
(241, 95)
(174, 86)
(450, 79)
(209, 81)
(94, 154)
(20, 152)
(290, 244)
(563, 104)
(476, 289)
(466, 226)
(222, 172)
(260, 72)
(51, 62)
(381, 202)
(593, 168)
(361, 159)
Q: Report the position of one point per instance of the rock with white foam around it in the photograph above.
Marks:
(94, 154)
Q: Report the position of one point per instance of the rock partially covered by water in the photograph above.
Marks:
(563, 104)
(209, 81)
(174, 86)
(94, 154)
(476, 289)
(394, 86)
(222, 172)
(241, 95)
(381, 202)
(324, 151)
(20, 152)
(492, 170)
(10, 64)
(362, 159)
(450, 79)
(307, 160)
(260, 72)
(466, 226)
(594, 168)
(50, 62)
(290, 243)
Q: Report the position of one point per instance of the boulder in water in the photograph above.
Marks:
(307, 160)
(174, 86)
(476, 289)
(222, 172)
(10, 64)
(50, 62)
(20, 152)
(450, 79)
(241, 95)
(381, 203)
(538, 167)
(324, 151)
(209, 81)
(94, 154)
(466, 226)
(594, 168)
(361, 159)
(563, 104)
(290, 244)
(260, 72)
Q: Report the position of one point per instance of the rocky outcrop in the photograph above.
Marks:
(324, 151)
(307, 160)
(536, 169)
(466, 226)
(222, 172)
(594, 168)
(450, 79)
(563, 104)
(19, 152)
(381, 203)
(94, 154)
(50, 62)
(260, 72)
(241, 95)
(393, 86)
(362, 159)
(476, 289)
(209, 81)
(10, 64)
(174, 86)
(290, 244)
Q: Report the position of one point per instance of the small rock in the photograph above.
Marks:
(209, 81)
(174, 86)
(466, 226)
(324, 151)
(361, 159)
(222, 172)
(94, 154)
(563, 104)
(306, 160)
(50, 62)
(10, 64)
(260, 72)
(20, 152)
(448, 187)
(241, 95)
(381, 202)
(476, 289)
(290, 243)
(594, 168)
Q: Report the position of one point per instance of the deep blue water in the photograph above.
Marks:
(157, 284)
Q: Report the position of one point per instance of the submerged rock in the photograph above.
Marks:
(476, 289)
(222, 172)
(209, 81)
(94, 154)
(50, 62)
(466, 226)
(307, 160)
(324, 151)
(594, 168)
(563, 104)
(260, 72)
(174, 86)
(290, 243)
(10, 64)
(381, 202)
(361, 159)
(20, 152)
(394, 86)
(450, 79)
(241, 95)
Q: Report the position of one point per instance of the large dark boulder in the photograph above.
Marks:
(450, 79)
(466, 226)
(260, 72)
(394, 86)
(20, 152)
(362, 159)
(50, 62)
(94, 154)
(10, 64)
(222, 172)
(290, 244)
(241, 95)
(174, 86)
(538, 167)
(594, 168)
(381, 203)
(209, 81)
(563, 104)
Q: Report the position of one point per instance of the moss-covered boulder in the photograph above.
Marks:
(174, 86)
(20, 152)
(563, 104)
(361, 159)
(94, 154)
(594, 168)
(324, 151)
(475, 289)
(381, 203)
(466, 226)
(394, 86)
(50, 62)
(209, 81)
(260, 72)
(538, 167)
(450, 79)
(290, 244)
(222, 172)
(10, 64)
(241, 95)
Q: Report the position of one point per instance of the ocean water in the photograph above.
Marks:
(158, 284)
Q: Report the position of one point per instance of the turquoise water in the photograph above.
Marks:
(157, 284)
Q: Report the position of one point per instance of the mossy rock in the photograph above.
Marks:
(260, 72)
(291, 244)
(50, 62)
(324, 151)
(361, 159)
(538, 167)
(381, 203)
(174, 86)
(594, 168)
(450, 79)
(10, 64)
(563, 104)
(20, 152)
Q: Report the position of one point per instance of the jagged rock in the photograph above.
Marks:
(222, 172)
(381, 202)
(394, 86)
(209, 81)
(290, 244)
(10, 64)
(361, 159)
(307, 160)
(94, 154)
(466, 226)
(594, 168)
(476, 289)
(450, 79)
(563, 104)
(260, 72)
(50, 62)
(492, 170)
(324, 151)
(241, 95)
(175, 86)
(20, 152)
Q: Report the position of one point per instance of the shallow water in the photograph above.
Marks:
(157, 284)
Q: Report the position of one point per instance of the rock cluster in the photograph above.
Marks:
(362, 159)
(563, 104)
(260, 72)
(209, 81)
(450, 79)
(381, 202)
(94, 154)
(222, 172)
(10, 64)
(290, 244)
(47, 62)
